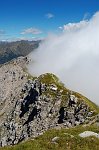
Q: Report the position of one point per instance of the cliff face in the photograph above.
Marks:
(30, 106)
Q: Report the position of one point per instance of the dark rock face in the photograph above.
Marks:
(37, 111)
(33, 114)
(75, 113)
(61, 116)
(29, 99)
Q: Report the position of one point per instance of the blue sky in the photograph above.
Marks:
(26, 19)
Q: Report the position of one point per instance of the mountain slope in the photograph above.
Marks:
(61, 139)
(32, 105)
(11, 50)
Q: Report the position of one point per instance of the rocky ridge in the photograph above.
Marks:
(30, 106)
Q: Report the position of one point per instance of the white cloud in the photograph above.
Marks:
(30, 38)
(2, 35)
(86, 15)
(23, 38)
(73, 56)
(74, 26)
(61, 28)
(14, 39)
(77, 25)
(31, 31)
(2, 32)
(49, 15)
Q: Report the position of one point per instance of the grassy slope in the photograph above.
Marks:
(65, 141)
(52, 79)
(68, 140)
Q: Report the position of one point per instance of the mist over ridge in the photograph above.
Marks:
(73, 56)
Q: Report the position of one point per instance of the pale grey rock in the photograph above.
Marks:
(88, 133)
(55, 139)
(27, 113)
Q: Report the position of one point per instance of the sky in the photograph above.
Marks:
(34, 19)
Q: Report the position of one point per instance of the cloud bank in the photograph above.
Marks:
(73, 56)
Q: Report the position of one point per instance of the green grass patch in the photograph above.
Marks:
(92, 105)
(68, 140)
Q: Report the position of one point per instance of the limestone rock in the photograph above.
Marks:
(29, 107)
(89, 133)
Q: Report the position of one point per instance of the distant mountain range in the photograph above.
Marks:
(11, 50)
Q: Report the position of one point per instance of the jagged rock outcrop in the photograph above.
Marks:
(12, 79)
(34, 105)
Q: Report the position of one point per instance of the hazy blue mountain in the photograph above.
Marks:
(10, 50)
